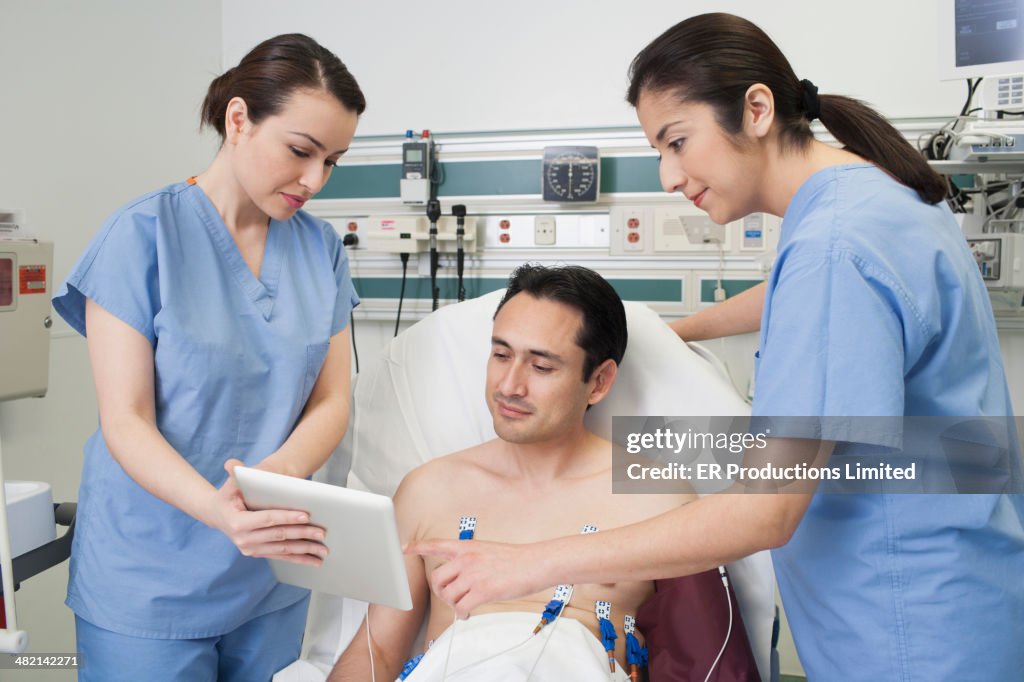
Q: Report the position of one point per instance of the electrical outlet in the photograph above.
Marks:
(544, 230)
(633, 236)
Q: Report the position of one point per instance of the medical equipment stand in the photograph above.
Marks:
(18, 569)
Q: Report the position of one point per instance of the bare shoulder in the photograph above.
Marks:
(634, 507)
(440, 469)
(434, 493)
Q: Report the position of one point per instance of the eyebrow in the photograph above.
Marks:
(546, 354)
(316, 143)
(664, 129)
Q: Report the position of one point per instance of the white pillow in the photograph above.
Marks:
(425, 396)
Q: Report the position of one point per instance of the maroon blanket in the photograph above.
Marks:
(684, 625)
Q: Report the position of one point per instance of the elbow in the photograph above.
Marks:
(117, 430)
(778, 536)
(778, 527)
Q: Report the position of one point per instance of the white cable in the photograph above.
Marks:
(551, 633)
(448, 655)
(728, 633)
(369, 644)
(483, 660)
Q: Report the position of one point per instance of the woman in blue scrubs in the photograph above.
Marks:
(874, 308)
(216, 313)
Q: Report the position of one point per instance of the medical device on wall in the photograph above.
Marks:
(1000, 258)
(980, 38)
(26, 271)
(570, 174)
(985, 39)
(680, 228)
(459, 212)
(416, 184)
(433, 213)
(411, 234)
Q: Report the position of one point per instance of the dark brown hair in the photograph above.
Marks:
(715, 58)
(272, 71)
(602, 334)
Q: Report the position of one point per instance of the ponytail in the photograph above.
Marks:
(863, 131)
(715, 58)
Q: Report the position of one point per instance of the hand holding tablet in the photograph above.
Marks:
(365, 558)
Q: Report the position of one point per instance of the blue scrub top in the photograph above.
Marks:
(875, 307)
(235, 358)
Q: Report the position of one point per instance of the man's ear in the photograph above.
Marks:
(601, 381)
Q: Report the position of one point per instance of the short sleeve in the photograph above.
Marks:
(833, 341)
(346, 299)
(119, 272)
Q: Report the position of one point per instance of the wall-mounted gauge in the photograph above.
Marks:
(570, 174)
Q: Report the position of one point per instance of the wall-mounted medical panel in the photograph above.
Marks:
(677, 227)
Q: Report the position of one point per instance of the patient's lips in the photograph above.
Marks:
(511, 407)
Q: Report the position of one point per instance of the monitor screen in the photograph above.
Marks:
(980, 38)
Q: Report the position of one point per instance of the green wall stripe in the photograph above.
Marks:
(731, 286)
(418, 288)
(630, 174)
(657, 290)
(362, 182)
(487, 178)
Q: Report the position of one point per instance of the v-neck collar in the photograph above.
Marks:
(262, 290)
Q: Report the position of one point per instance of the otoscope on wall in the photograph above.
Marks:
(459, 211)
(433, 214)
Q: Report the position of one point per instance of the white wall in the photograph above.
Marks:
(99, 104)
(466, 65)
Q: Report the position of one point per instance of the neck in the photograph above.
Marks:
(222, 188)
(785, 172)
(572, 455)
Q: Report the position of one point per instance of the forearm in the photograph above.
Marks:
(314, 438)
(146, 456)
(696, 537)
(740, 314)
(354, 664)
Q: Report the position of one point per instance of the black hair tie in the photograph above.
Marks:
(812, 105)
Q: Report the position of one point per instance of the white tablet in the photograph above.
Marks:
(365, 558)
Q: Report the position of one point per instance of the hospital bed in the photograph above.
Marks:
(424, 397)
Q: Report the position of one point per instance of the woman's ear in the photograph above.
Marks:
(236, 119)
(758, 110)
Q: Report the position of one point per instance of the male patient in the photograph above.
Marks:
(558, 336)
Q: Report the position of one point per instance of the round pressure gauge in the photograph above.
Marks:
(570, 174)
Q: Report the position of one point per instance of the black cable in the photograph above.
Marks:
(350, 241)
(352, 330)
(401, 294)
(972, 86)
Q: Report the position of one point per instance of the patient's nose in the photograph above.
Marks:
(513, 381)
